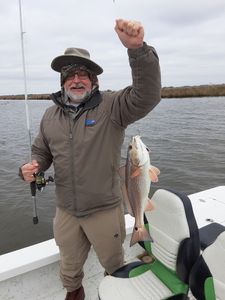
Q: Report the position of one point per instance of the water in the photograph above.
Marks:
(186, 138)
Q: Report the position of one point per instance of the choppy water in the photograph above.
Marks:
(186, 138)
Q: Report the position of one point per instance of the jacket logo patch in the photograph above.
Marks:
(89, 122)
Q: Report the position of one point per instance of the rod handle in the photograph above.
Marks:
(35, 220)
(33, 188)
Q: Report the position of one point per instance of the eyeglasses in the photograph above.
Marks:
(81, 74)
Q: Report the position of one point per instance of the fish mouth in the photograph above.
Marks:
(137, 151)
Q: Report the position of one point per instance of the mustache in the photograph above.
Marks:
(77, 85)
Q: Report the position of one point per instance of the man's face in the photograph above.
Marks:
(78, 85)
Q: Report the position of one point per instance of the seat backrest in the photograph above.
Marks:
(174, 230)
(207, 278)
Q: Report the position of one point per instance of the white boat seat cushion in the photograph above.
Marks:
(168, 226)
(214, 256)
(145, 286)
(207, 278)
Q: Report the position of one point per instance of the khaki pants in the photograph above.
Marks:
(105, 230)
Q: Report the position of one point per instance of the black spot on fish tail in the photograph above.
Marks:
(140, 234)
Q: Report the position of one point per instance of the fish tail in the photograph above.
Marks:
(140, 234)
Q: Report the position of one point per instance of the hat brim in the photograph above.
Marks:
(65, 60)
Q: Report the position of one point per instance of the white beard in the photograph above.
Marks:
(76, 99)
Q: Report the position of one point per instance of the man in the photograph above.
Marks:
(82, 135)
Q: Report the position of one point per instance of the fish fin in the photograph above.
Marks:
(126, 200)
(140, 234)
(135, 172)
(149, 205)
(156, 170)
(153, 173)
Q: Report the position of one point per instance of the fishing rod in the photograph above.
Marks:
(40, 182)
(32, 184)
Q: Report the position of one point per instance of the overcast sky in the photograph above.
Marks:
(188, 35)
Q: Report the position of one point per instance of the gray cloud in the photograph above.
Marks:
(188, 35)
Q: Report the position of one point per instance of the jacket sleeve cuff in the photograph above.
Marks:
(134, 53)
(144, 50)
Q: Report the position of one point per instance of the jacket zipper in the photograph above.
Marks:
(71, 123)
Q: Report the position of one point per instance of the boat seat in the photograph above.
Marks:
(209, 233)
(175, 249)
(207, 278)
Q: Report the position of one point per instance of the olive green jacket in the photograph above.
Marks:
(85, 149)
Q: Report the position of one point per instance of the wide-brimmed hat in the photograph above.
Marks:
(75, 56)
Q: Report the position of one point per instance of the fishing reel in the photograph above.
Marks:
(38, 184)
(41, 182)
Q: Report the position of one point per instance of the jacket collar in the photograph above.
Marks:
(94, 100)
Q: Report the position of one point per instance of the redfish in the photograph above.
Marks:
(139, 174)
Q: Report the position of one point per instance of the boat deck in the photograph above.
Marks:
(44, 283)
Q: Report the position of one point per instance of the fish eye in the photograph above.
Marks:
(130, 147)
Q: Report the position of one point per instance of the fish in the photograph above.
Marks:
(138, 173)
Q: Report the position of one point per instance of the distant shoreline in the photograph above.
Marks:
(212, 90)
